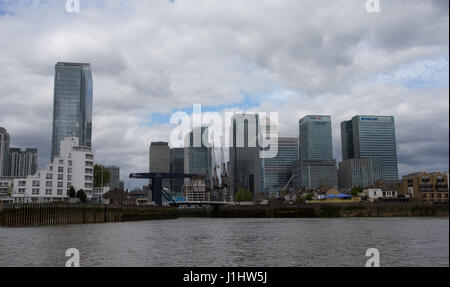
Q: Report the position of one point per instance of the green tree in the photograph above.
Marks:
(81, 195)
(243, 195)
(300, 199)
(356, 190)
(98, 171)
(72, 193)
(10, 189)
(309, 196)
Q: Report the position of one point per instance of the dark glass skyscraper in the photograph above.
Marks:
(316, 167)
(315, 138)
(197, 160)
(177, 166)
(246, 169)
(4, 152)
(371, 137)
(72, 104)
(277, 170)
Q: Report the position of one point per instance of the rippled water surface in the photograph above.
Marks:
(233, 242)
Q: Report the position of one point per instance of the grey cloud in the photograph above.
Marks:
(154, 56)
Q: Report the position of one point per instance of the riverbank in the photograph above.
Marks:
(25, 215)
(322, 210)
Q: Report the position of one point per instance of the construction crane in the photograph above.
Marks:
(285, 189)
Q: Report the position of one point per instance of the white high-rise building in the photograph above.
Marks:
(73, 167)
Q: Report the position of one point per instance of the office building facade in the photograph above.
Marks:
(197, 159)
(246, 169)
(177, 166)
(315, 138)
(359, 172)
(160, 160)
(371, 137)
(316, 167)
(15, 162)
(114, 181)
(4, 152)
(22, 162)
(72, 104)
(277, 170)
(312, 174)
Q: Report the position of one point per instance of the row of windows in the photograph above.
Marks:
(36, 191)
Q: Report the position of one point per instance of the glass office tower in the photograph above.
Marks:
(277, 170)
(4, 152)
(315, 138)
(177, 166)
(72, 104)
(246, 170)
(316, 167)
(197, 160)
(371, 137)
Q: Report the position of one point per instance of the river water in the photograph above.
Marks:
(233, 242)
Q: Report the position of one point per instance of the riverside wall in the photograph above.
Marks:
(27, 215)
(322, 210)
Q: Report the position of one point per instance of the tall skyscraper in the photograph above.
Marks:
(315, 138)
(4, 152)
(177, 166)
(22, 162)
(246, 169)
(160, 160)
(15, 162)
(277, 170)
(197, 159)
(316, 166)
(72, 104)
(371, 137)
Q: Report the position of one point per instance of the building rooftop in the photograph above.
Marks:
(72, 64)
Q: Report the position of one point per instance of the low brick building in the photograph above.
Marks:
(119, 197)
(422, 186)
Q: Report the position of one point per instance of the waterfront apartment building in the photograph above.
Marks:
(6, 189)
(4, 152)
(316, 167)
(371, 137)
(73, 167)
(277, 170)
(359, 172)
(245, 164)
(430, 187)
(72, 104)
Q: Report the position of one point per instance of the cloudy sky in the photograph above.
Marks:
(153, 58)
